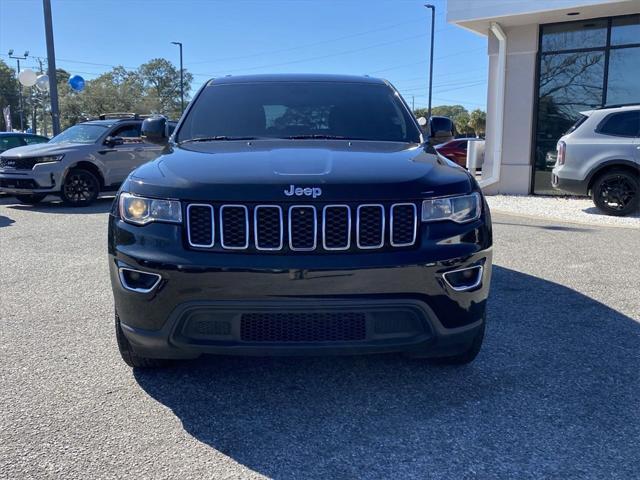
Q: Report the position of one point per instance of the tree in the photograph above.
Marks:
(478, 122)
(466, 123)
(9, 95)
(161, 82)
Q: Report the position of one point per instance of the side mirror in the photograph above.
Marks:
(154, 130)
(113, 141)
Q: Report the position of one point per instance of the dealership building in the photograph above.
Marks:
(548, 60)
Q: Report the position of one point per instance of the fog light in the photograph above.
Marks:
(137, 280)
(464, 278)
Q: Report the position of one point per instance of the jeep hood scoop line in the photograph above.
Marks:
(261, 170)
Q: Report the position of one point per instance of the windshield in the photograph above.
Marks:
(299, 110)
(82, 133)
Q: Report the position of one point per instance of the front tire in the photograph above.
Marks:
(32, 199)
(129, 356)
(616, 192)
(80, 188)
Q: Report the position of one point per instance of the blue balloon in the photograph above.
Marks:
(76, 83)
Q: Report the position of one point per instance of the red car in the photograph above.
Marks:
(456, 150)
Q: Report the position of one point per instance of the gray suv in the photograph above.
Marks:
(600, 156)
(79, 163)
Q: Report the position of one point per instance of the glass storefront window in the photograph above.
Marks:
(623, 84)
(574, 35)
(573, 59)
(569, 84)
(625, 30)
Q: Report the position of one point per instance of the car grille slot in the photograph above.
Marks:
(200, 225)
(268, 227)
(303, 327)
(404, 224)
(370, 226)
(336, 227)
(234, 227)
(17, 162)
(303, 228)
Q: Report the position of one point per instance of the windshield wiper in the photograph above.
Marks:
(319, 136)
(215, 139)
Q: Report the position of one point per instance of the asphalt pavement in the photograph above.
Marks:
(555, 392)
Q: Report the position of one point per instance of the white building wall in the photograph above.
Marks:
(517, 145)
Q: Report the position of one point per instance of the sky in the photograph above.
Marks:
(381, 38)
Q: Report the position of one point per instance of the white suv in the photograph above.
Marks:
(600, 156)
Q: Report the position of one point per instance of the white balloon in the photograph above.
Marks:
(27, 77)
(42, 82)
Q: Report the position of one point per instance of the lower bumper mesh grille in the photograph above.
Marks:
(303, 327)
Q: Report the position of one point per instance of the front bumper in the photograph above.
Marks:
(29, 181)
(210, 302)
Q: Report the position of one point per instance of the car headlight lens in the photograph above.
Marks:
(48, 159)
(460, 209)
(141, 210)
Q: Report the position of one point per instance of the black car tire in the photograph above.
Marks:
(32, 199)
(129, 356)
(619, 186)
(80, 188)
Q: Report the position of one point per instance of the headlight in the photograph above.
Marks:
(140, 210)
(458, 209)
(49, 159)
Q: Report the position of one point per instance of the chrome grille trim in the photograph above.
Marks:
(370, 247)
(246, 225)
(255, 228)
(213, 226)
(415, 224)
(383, 226)
(315, 228)
(324, 227)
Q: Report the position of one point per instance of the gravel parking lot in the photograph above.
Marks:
(554, 393)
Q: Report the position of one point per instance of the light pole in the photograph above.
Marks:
(433, 25)
(181, 78)
(17, 58)
(51, 62)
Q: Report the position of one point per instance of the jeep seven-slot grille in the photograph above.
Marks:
(301, 228)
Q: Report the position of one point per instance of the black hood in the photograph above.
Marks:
(262, 170)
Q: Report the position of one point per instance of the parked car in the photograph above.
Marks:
(15, 139)
(298, 214)
(456, 150)
(600, 156)
(79, 163)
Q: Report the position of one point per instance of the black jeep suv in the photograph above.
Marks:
(298, 214)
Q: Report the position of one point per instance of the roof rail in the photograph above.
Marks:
(108, 116)
(618, 105)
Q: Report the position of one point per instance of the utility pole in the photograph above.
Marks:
(42, 101)
(413, 104)
(181, 78)
(17, 58)
(433, 25)
(51, 61)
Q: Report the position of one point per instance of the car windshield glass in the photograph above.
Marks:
(82, 133)
(299, 111)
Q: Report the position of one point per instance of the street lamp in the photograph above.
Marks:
(18, 58)
(181, 78)
(433, 24)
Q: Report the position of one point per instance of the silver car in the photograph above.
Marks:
(600, 156)
(77, 164)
